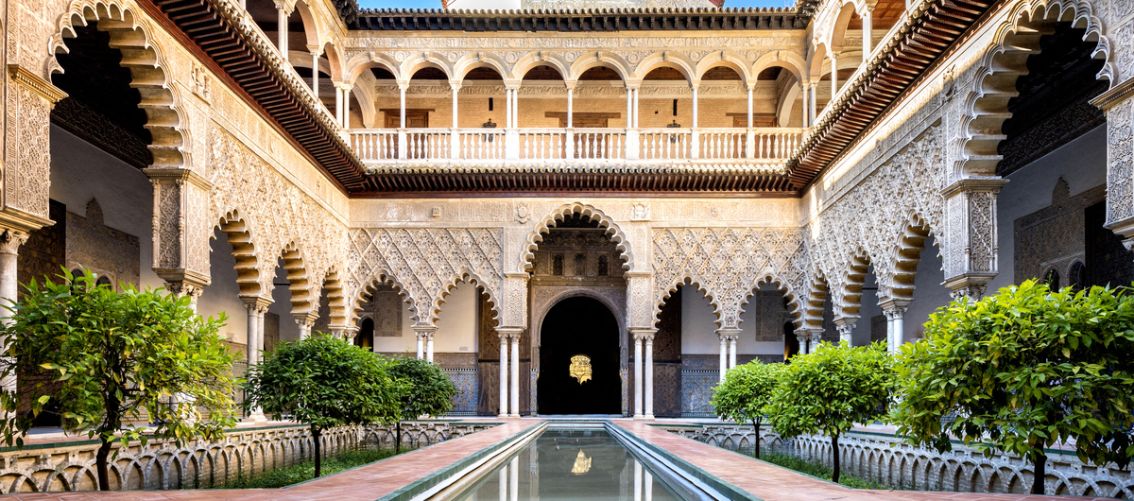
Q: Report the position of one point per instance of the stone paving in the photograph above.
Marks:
(762, 479)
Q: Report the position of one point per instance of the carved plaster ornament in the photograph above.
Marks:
(523, 214)
(641, 212)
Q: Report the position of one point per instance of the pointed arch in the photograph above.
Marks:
(588, 212)
(689, 281)
(240, 238)
(161, 102)
(366, 290)
(986, 106)
(455, 281)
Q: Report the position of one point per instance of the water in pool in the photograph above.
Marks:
(571, 464)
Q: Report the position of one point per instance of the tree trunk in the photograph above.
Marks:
(756, 430)
(318, 451)
(1039, 463)
(101, 464)
(398, 437)
(835, 458)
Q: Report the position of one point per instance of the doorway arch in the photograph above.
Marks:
(577, 326)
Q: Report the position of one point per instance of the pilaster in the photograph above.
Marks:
(181, 226)
(27, 150)
(971, 248)
(1118, 105)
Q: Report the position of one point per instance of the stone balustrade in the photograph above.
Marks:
(161, 464)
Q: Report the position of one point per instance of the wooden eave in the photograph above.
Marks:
(252, 67)
(578, 20)
(924, 38)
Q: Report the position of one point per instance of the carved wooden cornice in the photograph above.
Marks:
(581, 20)
(252, 65)
(921, 41)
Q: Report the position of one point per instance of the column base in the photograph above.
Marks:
(256, 416)
(514, 415)
(641, 416)
(503, 416)
(648, 417)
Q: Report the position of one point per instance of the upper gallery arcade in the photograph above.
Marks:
(703, 185)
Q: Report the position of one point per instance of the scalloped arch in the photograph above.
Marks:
(376, 280)
(794, 304)
(160, 99)
(908, 248)
(689, 281)
(298, 278)
(818, 290)
(589, 212)
(464, 277)
(239, 234)
(986, 106)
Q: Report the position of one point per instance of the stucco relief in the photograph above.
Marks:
(426, 262)
(729, 264)
(275, 211)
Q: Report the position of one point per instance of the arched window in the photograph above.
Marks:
(1075, 275)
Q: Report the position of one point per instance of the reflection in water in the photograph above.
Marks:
(561, 465)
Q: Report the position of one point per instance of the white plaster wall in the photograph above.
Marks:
(457, 324)
(222, 295)
(406, 343)
(1082, 163)
(698, 327)
(80, 171)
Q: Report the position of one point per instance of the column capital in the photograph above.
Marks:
(305, 319)
(512, 84)
(570, 84)
(509, 332)
(845, 324)
(284, 6)
(643, 333)
(190, 288)
(968, 285)
(424, 330)
(991, 184)
(11, 240)
(455, 85)
(633, 84)
(257, 304)
(342, 85)
(729, 332)
(809, 332)
(315, 50)
(403, 85)
(891, 306)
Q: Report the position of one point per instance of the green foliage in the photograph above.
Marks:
(429, 390)
(830, 390)
(745, 394)
(746, 391)
(117, 358)
(1022, 370)
(819, 470)
(299, 472)
(325, 382)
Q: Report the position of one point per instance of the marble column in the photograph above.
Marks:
(637, 374)
(834, 76)
(866, 35)
(894, 309)
(10, 242)
(723, 366)
(648, 397)
(806, 91)
(514, 380)
(281, 28)
(804, 346)
(305, 321)
(315, 53)
(811, 105)
(257, 307)
(695, 146)
(845, 327)
(504, 394)
(732, 351)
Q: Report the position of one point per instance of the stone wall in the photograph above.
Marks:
(161, 464)
(874, 453)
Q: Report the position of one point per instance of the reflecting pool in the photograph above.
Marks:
(571, 464)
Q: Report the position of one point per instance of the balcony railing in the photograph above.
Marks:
(757, 145)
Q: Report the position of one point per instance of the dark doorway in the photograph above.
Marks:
(579, 326)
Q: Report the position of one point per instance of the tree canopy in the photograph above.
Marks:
(745, 393)
(1023, 370)
(325, 382)
(428, 391)
(123, 366)
(831, 389)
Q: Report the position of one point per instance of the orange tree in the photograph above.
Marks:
(124, 366)
(1023, 370)
(744, 395)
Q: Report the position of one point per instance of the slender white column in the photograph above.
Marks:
(338, 104)
(637, 376)
(866, 41)
(281, 31)
(502, 480)
(402, 105)
(420, 347)
(813, 106)
(748, 111)
(803, 339)
(732, 352)
(515, 379)
(253, 327)
(346, 105)
(834, 76)
(894, 311)
(805, 120)
(723, 357)
(570, 107)
(649, 396)
(454, 135)
(629, 108)
(429, 347)
(695, 147)
(695, 107)
(503, 375)
(315, 71)
(648, 485)
(637, 113)
(10, 242)
(456, 88)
